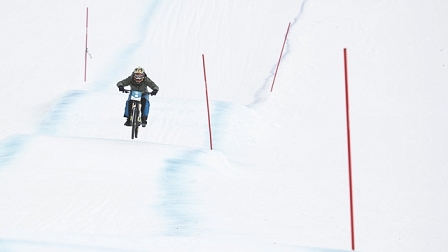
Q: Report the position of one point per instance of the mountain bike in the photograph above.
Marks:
(134, 116)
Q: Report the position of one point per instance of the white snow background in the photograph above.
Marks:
(71, 179)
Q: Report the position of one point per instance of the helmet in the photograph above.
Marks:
(139, 74)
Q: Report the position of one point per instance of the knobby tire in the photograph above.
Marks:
(134, 122)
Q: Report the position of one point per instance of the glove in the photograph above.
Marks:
(121, 88)
(154, 92)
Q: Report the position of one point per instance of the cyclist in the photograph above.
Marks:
(138, 81)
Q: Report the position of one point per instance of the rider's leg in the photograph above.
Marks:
(128, 107)
(127, 112)
(145, 110)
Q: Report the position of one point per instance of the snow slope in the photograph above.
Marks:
(276, 180)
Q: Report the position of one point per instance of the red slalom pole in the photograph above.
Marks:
(352, 219)
(86, 50)
(208, 107)
(280, 58)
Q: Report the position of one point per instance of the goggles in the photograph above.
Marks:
(139, 76)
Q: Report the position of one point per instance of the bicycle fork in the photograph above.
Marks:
(135, 109)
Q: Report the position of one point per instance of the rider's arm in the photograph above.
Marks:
(125, 82)
(151, 84)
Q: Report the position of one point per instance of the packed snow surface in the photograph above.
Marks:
(276, 178)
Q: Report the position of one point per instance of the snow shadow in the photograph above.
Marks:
(10, 147)
(178, 201)
(59, 112)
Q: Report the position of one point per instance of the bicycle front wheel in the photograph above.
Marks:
(134, 133)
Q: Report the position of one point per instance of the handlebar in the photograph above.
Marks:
(128, 91)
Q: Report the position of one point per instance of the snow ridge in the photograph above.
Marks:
(263, 93)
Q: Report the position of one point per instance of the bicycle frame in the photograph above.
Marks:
(135, 103)
(136, 98)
